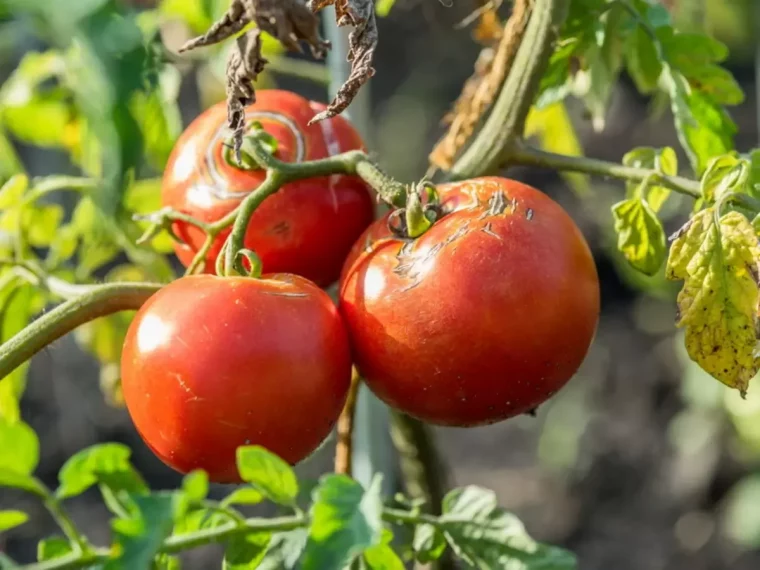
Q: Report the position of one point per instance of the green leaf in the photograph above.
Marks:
(107, 464)
(245, 552)
(139, 538)
(12, 519)
(268, 474)
(724, 175)
(41, 224)
(428, 543)
(383, 7)
(555, 131)
(10, 163)
(54, 547)
(285, 549)
(753, 186)
(690, 51)
(717, 260)
(704, 128)
(195, 485)
(12, 191)
(42, 121)
(243, 496)
(199, 519)
(15, 480)
(166, 562)
(662, 160)
(345, 521)
(199, 15)
(641, 237)
(19, 447)
(17, 302)
(643, 61)
(485, 536)
(381, 556)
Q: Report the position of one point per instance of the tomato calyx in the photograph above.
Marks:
(422, 210)
(248, 155)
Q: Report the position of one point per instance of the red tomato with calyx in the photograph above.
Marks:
(484, 316)
(306, 228)
(212, 363)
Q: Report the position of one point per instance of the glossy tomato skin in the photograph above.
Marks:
(483, 317)
(212, 363)
(308, 227)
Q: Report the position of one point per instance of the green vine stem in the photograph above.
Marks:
(95, 301)
(179, 543)
(506, 121)
(521, 154)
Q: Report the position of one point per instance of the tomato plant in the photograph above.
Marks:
(505, 268)
(473, 300)
(210, 364)
(308, 227)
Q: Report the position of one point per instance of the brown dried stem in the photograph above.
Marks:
(491, 68)
(345, 429)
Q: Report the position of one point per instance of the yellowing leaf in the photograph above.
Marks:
(641, 238)
(662, 160)
(555, 132)
(718, 262)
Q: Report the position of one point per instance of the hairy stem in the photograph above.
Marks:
(345, 429)
(95, 301)
(506, 121)
(521, 154)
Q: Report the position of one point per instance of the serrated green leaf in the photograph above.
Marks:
(643, 61)
(428, 543)
(689, 51)
(195, 485)
(53, 547)
(717, 83)
(485, 536)
(139, 538)
(724, 175)
(641, 237)
(345, 521)
(245, 552)
(23, 482)
(12, 191)
(12, 519)
(555, 83)
(107, 464)
(19, 447)
(718, 262)
(704, 128)
(41, 224)
(285, 549)
(268, 474)
(243, 496)
(381, 556)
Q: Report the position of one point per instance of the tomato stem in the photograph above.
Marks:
(345, 428)
(94, 301)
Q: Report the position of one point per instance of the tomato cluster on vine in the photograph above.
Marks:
(484, 316)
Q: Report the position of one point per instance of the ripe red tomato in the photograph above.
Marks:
(308, 227)
(483, 317)
(212, 363)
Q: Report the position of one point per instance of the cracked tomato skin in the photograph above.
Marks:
(212, 363)
(483, 317)
(308, 227)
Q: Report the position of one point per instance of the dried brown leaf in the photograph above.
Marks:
(362, 43)
(289, 21)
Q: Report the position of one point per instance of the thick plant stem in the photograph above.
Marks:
(97, 301)
(521, 154)
(345, 429)
(506, 121)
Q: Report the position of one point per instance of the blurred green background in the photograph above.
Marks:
(641, 463)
